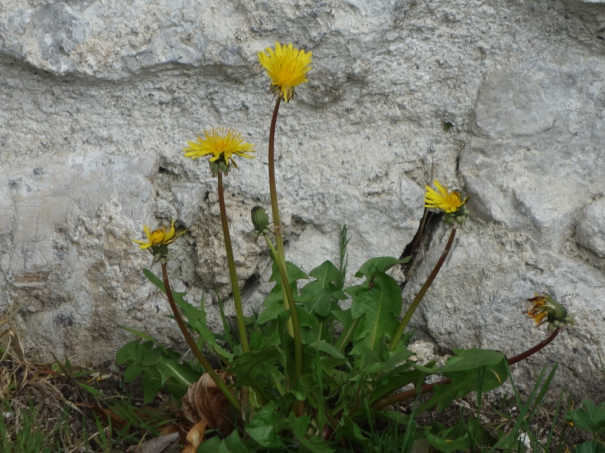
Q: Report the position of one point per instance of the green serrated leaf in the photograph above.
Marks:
(299, 425)
(261, 340)
(592, 446)
(154, 279)
(309, 326)
(389, 361)
(151, 357)
(325, 273)
(182, 374)
(235, 443)
(263, 427)
(176, 390)
(323, 346)
(136, 332)
(196, 317)
(348, 327)
(294, 273)
(272, 312)
(132, 371)
(465, 381)
(348, 429)
(379, 264)
(468, 359)
(299, 391)
(589, 417)
(399, 377)
(211, 445)
(151, 386)
(246, 364)
(379, 301)
(316, 299)
(127, 352)
(448, 440)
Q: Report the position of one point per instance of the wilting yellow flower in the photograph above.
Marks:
(287, 68)
(545, 309)
(538, 311)
(221, 143)
(158, 237)
(447, 201)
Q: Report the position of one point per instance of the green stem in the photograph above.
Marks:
(293, 313)
(422, 292)
(237, 300)
(191, 342)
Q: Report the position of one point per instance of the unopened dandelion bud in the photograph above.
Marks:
(260, 220)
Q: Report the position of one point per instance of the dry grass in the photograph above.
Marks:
(58, 407)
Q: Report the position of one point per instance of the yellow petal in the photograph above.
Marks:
(147, 233)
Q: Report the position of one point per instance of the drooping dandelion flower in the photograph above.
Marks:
(538, 311)
(161, 236)
(444, 200)
(545, 310)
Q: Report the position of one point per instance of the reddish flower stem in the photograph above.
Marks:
(273, 185)
(422, 292)
(536, 348)
(191, 342)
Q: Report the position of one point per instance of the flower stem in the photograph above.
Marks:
(191, 342)
(536, 348)
(279, 241)
(293, 313)
(429, 387)
(272, 185)
(237, 300)
(422, 292)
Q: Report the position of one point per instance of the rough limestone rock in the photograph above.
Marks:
(590, 231)
(504, 100)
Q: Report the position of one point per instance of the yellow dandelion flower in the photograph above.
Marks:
(161, 236)
(287, 67)
(222, 143)
(448, 202)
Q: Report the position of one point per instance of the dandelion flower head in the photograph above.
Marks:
(220, 143)
(546, 310)
(448, 202)
(161, 236)
(287, 67)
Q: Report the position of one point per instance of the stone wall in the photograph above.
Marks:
(502, 99)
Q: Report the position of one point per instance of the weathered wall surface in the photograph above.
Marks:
(98, 99)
